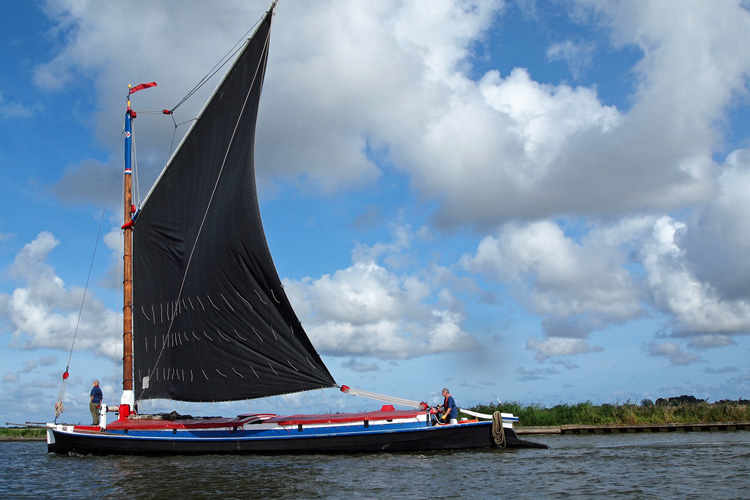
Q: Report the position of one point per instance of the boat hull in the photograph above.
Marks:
(355, 440)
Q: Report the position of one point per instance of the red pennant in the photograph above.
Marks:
(141, 87)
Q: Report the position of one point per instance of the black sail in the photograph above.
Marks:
(211, 319)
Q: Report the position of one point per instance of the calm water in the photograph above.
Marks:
(676, 465)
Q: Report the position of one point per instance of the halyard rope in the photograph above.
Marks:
(59, 408)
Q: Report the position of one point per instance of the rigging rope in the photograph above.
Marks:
(380, 397)
(59, 408)
(222, 62)
(211, 73)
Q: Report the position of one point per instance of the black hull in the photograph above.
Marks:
(453, 437)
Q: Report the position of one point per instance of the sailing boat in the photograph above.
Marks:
(206, 318)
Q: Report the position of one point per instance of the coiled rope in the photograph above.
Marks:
(498, 431)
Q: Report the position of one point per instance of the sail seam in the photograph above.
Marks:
(212, 303)
(227, 302)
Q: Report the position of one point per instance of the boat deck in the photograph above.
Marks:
(387, 414)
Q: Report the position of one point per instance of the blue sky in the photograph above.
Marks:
(520, 200)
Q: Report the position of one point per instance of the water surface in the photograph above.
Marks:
(712, 465)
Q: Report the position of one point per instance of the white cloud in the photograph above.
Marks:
(695, 306)
(710, 341)
(577, 55)
(44, 313)
(717, 241)
(559, 346)
(672, 352)
(687, 271)
(367, 310)
(535, 373)
(577, 287)
(510, 147)
(396, 76)
(14, 109)
(359, 367)
(346, 79)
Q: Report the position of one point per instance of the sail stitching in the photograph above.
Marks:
(213, 193)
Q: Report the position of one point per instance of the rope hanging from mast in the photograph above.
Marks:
(59, 408)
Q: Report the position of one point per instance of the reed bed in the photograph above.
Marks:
(21, 432)
(586, 413)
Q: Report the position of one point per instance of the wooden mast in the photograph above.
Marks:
(127, 281)
(127, 404)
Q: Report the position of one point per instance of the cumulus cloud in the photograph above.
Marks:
(368, 310)
(585, 278)
(672, 352)
(578, 287)
(708, 341)
(695, 306)
(559, 346)
(665, 230)
(15, 109)
(44, 312)
(90, 180)
(358, 366)
(508, 147)
(396, 76)
(535, 373)
(577, 55)
(721, 371)
(717, 240)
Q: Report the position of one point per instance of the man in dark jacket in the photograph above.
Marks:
(95, 403)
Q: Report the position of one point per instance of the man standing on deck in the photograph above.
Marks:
(450, 410)
(96, 400)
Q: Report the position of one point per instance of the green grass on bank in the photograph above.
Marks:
(21, 432)
(625, 414)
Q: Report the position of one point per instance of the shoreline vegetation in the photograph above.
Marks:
(677, 410)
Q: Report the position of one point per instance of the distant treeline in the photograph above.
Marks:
(676, 410)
